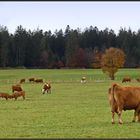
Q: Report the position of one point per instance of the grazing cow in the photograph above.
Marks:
(83, 79)
(31, 79)
(22, 81)
(138, 79)
(39, 80)
(46, 87)
(126, 79)
(18, 94)
(124, 98)
(4, 95)
(16, 88)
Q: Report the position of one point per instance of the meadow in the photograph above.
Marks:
(72, 110)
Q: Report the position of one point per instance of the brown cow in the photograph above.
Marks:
(114, 107)
(22, 81)
(18, 94)
(31, 79)
(138, 79)
(39, 80)
(16, 88)
(126, 79)
(46, 87)
(4, 95)
(124, 98)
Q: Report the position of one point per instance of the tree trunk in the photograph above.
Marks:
(112, 76)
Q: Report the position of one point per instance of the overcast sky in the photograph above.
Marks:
(57, 15)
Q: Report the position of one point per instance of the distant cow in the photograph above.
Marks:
(16, 88)
(83, 79)
(31, 79)
(46, 87)
(126, 79)
(124, 98)
(22, 81)
(18, 94)
(39, 80)
(4, 95)
(138, 79)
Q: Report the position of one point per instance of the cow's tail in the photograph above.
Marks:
(113, 88)
(113, 95)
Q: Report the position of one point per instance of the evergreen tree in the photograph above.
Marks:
(72, 44)
(20, 44)
(4, 42)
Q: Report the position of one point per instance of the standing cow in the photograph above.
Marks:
(18, 94)
(31, 79)
(16, 88)
(138, 79)
(124, 98)
(83, 80)
(4, 95)
(126, 79)
(22, 81)
(46, 87)
(38, 80)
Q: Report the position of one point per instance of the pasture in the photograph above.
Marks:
(72, 110)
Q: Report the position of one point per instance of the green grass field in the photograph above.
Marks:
(73, 110)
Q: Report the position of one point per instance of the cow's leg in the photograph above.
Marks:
(120, 114)
(43, 91)
(139, 117)
(113, 108)
(134, 118)
(120, 119)
(113, 114)
(138, 113)
(23, 97)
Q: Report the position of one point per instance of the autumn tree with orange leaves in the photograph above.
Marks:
(112, 60)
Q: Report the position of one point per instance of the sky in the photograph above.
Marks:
(52, 15)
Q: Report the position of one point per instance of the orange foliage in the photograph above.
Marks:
(112, 60)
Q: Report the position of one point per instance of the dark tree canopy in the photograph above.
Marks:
(72, 48)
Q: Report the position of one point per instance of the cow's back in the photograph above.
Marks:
(128, 97)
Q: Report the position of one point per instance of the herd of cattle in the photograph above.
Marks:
(120, 97)
(17, 90)
(31, 80)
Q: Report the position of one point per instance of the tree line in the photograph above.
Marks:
(68, 49)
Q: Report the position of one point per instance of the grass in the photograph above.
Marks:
(73, 110)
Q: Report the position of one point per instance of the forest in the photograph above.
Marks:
(72, 48)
